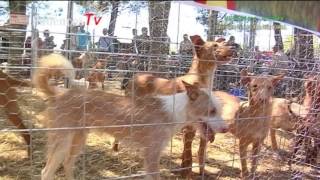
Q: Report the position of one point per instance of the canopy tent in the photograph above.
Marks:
(300, 14)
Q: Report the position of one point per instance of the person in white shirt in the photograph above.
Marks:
(280, 61)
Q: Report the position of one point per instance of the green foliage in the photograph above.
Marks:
(301, 13)
(288, 43)
(103, 7)
(203, 19)
(136, 6)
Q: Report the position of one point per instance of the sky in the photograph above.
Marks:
(182, 19)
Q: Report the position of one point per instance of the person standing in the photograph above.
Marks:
(280, 65)
(185, 50)
(82, 39)
(48, 42)
(105, 43)
(134, 41)
(235, 46)
(143, 46)
(186, 46)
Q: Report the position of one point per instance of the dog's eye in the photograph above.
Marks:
(215, 45)
(212, 112)
(269, 87)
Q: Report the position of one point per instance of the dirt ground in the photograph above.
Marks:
(99, 161)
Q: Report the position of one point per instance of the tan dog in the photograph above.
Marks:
(284, 116)
(253, 124)
(8, 100)
(208, 55)
(230, 106)
(84, 61)
(65, 145)
(95, 76)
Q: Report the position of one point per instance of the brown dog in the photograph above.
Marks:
(253, 124)
(8, 100)
(78, 115)
(81, 63)
(95, 76)
(208, 55)
(308, 129)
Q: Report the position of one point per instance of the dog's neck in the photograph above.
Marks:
(257, 107)
(175, 105)
(203, 69)
(307, 100)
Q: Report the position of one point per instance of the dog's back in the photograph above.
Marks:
(96, 108)
(281, 115)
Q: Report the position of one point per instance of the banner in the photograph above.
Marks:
(300, 14)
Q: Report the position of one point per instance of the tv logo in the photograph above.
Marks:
(95, 18)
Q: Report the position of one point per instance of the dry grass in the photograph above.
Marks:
(100, 162)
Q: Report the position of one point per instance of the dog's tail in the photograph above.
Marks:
(53, 65)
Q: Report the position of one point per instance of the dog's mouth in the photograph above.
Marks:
(207, 132)
(224, 57)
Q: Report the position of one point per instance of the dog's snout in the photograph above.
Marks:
(231, 47)
(224, 130)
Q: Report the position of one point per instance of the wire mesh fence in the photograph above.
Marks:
(253, 101)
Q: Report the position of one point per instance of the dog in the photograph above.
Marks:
(78, 62)
(95, 76)
(284, 115)
(229, 107)
(207, 56)
(254, 120)
(66, 111)
(308, 129)
(8, 100)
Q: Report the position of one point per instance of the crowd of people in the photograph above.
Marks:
(80, 40)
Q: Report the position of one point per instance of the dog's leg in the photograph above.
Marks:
(274, 144)
(115, 145)
(297, 142)
(308, 149)
(188, 136)
(256, 147)
(102, 85)
(59, 147)
(79, 140)
(201, 154)
(12, 110)
(243, 146)
(152, 161)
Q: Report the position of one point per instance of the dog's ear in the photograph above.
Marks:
(310, 85)
(192, 90)
(197, 42)
(277, 79)
(220, 40)
(244, 77)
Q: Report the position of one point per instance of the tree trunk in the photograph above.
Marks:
(304, 42)
(113, 18)
(303, 48)
(212, 25)
(16, 38)
(253, 28)
(277, 35)
(158, 24)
